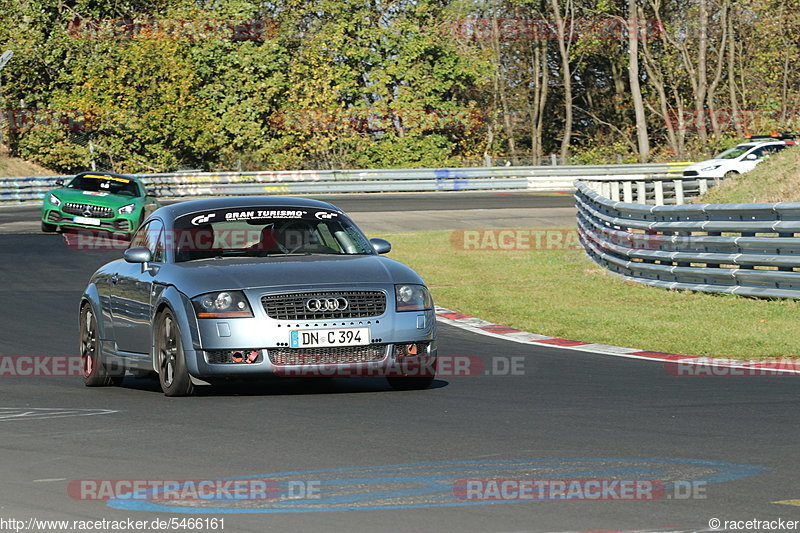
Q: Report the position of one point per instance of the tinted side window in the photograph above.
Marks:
(765, 151)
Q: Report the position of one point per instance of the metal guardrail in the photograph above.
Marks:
(181, 184)
(653, 189)
(747, 249)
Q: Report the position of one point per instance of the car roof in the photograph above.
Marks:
(192, 206)
(753, 144)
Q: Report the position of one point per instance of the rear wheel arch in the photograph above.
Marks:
(87, 301)
(96, 372)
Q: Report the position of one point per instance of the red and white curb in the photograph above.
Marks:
(482, 327)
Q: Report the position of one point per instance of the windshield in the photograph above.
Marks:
(733, 153)
(108, 184)
(266, 231)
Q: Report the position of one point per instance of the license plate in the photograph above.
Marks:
(309, 338)
(87, 221)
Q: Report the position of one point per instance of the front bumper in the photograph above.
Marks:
(401, 343)
(118, 224)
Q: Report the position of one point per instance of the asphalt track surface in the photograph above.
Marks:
(390, 212)
(377, 460)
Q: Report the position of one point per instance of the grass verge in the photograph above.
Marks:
(564, 294)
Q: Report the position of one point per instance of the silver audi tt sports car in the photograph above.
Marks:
(252, 287)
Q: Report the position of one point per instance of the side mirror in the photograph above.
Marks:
(751, 157)
(60, 182)
(138, 254)
(382, 246)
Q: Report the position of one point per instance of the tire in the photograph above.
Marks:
(48, 228)
(730, 174)
(170, 358)
(93, 368)
(415, 383)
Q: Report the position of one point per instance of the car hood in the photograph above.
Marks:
(197, 277)
(94, 198)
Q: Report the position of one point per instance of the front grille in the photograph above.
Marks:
(87, 210)
(361, 304)
(690, 173)
(327, 356)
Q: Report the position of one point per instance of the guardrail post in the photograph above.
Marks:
(678, 192)
(615, 191)
(659, 190)
(641, 192)
(627, 190)
(605, 189)
(703, 184)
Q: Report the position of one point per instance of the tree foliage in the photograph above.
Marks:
(142, 85)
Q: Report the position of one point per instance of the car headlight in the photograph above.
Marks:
(222, 304)
(53, 199)
(126, 209)
(712, 167)
(412, 298)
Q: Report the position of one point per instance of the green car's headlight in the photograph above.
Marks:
(223, 304)
(53, 199)
(126, 209)
(413, 298)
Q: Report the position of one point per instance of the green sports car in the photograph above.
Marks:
(98, 200)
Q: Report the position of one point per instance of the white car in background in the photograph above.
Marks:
(742, 157)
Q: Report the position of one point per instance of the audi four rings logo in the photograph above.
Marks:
(327, 304)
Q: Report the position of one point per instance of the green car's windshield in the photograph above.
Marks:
(733, 153)
(266, 231)
(107, 184)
